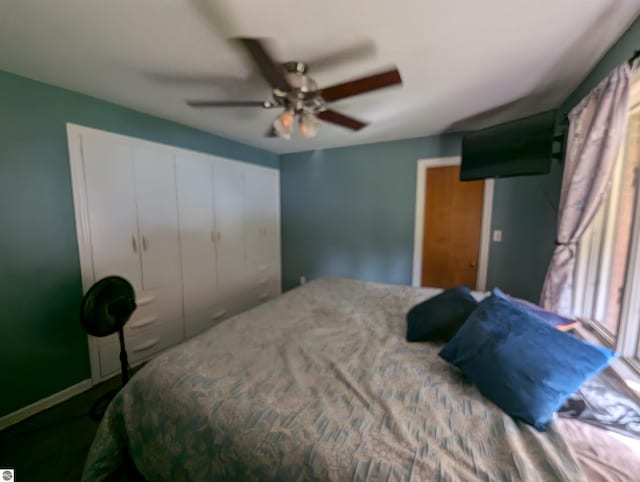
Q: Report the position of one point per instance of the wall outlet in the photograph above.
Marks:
(497, 235)
(303, 280)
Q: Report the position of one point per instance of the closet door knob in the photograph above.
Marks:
(213, 236)
(134, 243)
(144, 243)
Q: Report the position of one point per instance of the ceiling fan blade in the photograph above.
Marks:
(271, 70)
(360, 86)
(230, 103)
(363, 49)
(341, 119)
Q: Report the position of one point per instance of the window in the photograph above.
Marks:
(608, 259)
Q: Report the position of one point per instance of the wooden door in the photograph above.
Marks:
(157, 217)
(194, 176)
(113, 220)
(452, 228)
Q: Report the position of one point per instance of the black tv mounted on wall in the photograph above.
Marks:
(519, 148)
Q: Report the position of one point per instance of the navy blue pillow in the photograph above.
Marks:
(525, 367)
(440, 317)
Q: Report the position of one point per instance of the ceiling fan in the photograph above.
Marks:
(299, 96)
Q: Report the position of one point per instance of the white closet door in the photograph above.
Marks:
(228, 192)
(271, 215)
(110, 191)
(261, 217)
(197, 232)
(157, 217)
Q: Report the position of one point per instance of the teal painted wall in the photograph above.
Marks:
(350, 212)
(44, 350)
(525, 209)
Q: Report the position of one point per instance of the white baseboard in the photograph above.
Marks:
(43, 404)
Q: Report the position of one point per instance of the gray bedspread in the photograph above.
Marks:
(318, 384)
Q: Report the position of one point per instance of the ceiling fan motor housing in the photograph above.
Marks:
(304, 95)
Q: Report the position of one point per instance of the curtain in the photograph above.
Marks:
(596, 133)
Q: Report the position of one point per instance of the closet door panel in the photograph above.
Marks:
(110, 190)
(253, 215)
(157, 217)
(228, 192)
(271, 213)
(261, 216)
(197, 233)
(198, 322)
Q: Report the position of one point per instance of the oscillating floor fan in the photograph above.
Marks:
(105, 309)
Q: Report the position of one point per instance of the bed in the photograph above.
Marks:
(604, 456)
(318, 384)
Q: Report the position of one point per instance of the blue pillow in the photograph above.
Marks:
(559, 322)
(525, 367)
(440, 317)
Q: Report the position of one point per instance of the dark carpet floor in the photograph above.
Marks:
(52, 445)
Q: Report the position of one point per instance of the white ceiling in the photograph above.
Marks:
(464, 63)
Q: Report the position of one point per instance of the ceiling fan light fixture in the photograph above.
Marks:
(283, 124)
(299, 95)
(309, 125)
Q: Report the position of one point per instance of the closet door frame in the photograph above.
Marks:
(83, 229)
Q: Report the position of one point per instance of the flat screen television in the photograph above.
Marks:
(519, 148)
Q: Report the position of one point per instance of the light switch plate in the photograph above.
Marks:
(497, 235)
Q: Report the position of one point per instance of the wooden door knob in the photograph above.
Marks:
(472, 265)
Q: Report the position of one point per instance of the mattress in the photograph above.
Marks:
(318, 384)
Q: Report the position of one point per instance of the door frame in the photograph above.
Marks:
(485, 230)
